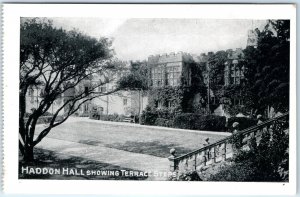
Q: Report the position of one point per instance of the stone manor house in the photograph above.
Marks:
(175, 69)
(166, 70)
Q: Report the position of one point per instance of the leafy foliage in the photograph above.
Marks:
(149, 116)
(199, 122)
(137, 78)
(133, 81)
(268, 67)
(57, 61)
(109, 117)
(164, 122)
(266, 161)
(244, 122)
(166, 96)
(216, 63)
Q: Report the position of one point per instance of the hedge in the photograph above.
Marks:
(109, 117)
(27, 114)
(211, 123)
(164, 122)
(200, 122)
(149, 116)
(46, 119)
(244, 122)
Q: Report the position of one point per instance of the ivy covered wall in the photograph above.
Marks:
(191, 98)
(166, 97)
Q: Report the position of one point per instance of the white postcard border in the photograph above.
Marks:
(12, 14)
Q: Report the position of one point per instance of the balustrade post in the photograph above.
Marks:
(204, 158)
(224, 151)
(172, 161)
(195, 161)
(213, 154)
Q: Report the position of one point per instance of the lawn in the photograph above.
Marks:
(51, 160)
(157, 142)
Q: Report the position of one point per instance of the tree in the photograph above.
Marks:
(136, 79)
(58, 61)
(268, 67)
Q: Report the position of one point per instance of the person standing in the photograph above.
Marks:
(235, 127)
(259, 119)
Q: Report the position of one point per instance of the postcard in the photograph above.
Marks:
(149, 99)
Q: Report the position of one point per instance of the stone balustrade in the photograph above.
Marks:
(223, 149)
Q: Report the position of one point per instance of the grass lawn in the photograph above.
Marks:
(157, 142)
(49, 159)
(154, 148)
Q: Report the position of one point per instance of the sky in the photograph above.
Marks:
(136, 39)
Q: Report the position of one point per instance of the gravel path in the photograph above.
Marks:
(135, 161)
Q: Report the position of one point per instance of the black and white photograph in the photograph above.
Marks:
(149, 99)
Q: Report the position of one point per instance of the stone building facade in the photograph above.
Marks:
(234, 68)
(169, 70)
(34, 96)
(252, 38)
(172, 82)
(122, 102)
(165, 71)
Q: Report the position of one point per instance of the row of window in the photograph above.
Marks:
(233, 80)
(168, 104)
(161, 76)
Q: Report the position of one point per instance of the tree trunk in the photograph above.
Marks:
(28, 154)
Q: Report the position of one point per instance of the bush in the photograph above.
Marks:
(165, 113)
(163, 122)
(211, 123)
(185, 121)
(235, 172)
(186, 176)
(27, 114)
(84, 115)
(46, 119)
(111, 117)
(244, 122)
(149, 116)
(266, 161)
(200, 122)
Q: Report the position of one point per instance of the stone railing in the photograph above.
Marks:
(223, 149)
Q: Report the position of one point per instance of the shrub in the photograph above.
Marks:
(244, 122)
(266, 161)
(46, 119)
(185, 121)
(149, 116)
(136, 118)
(27, 114)
(211, 123)
(234, 172)
(165, 113)
(200, 122)
(186, 176)
(84, 115)
(163, 122)
(111, 117)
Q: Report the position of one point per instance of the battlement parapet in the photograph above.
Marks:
(237, 54)
(165, 58)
